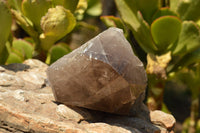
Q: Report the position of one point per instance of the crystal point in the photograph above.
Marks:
(103, 74)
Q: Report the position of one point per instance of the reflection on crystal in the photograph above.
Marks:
(103, 74)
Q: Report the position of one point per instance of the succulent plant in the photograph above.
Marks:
(34, 10)
(81, 8)
(170, 35)
(56, 52)
(67, 4)
(94, 7)
(19, 51)
(15, 4)
(112, 21)
(158, 30)
(56, 24)
(46, 21)
(147, 18)
(5, 28)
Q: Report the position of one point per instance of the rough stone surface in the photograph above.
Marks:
(161, 118)
(28, 105)
(103, 74)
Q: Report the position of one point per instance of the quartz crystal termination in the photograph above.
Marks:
(103, 74)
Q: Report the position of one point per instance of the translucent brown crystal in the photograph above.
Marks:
(103, 74)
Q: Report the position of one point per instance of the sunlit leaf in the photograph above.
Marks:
(147, 8)
(14, 58)
(174, 5)
(24, 47)
(189, 9)
(68, 4)
(165, 30)
(80, 10)
(128, 13)
(112, 21)
(24, 23)
(189, 38)
(164, 12)
(57, 52)
(35, 9)
(143, 36)
(5, 27)
(15, 4)
(56, 24)
(94, 7)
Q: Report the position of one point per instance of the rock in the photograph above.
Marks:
(26, 106)
(19, 95)
(103, 74)
(73, 113)
(34, 76)
(162, 119)
(106, 128)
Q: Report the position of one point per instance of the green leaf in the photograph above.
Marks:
(189, 39)
(191, 58)
(56, 24)
(164, 12)
(71, 5)
(58, 2)
(24, 23)
(35, 9)
(174, 5)
(57, 52)
(112, 21)
(68, 4)
(147, 8)
(198, 126)
(80, 10)
(137, 24)
(189, 9)
(198, 22)
(29, 40)
(15, 4)
(165, 31)
(143, 36)
(3, 55)
(5, 27)
(128, 13)
(24, 47)
(14, 58)
(94, 8)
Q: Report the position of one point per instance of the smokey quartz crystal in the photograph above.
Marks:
(103, 74)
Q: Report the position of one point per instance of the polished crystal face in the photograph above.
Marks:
(103, 74)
